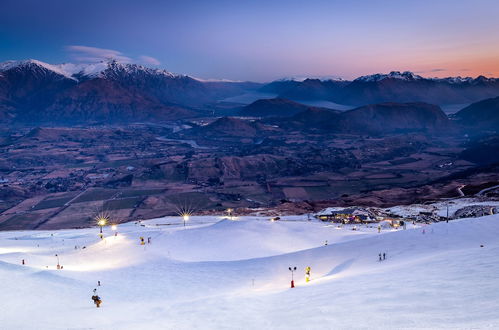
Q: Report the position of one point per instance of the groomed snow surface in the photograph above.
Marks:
(233, 274)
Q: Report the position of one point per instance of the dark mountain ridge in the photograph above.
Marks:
(394, 118)
(374, 119)
(277, 107)
(483, 115)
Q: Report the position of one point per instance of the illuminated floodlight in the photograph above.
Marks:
(185, 207)
(185, 217)
(102, 219)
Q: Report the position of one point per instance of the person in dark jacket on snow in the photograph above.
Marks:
(97, 300)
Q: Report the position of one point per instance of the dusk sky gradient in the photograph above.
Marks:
(260, 40)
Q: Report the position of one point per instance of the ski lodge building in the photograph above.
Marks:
(346, 215)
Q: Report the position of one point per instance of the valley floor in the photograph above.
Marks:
(222, 274)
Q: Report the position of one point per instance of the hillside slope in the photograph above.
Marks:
(480, 115)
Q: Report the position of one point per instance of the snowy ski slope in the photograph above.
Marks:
(223, 274)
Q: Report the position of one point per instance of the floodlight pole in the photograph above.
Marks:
(292, 270)
(447, 204)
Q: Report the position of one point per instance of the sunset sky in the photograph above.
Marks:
(260, 40)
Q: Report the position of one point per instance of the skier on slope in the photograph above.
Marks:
(307, 274)
(379, 255)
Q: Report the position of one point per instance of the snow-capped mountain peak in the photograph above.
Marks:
(117, 68)
(89, 70)
(303, 78)
(454, 80)
(466, 80)
(83, 71)
(29, 64)
(406, 75)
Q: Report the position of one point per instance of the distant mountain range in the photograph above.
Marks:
(32, 91)
(392, 87)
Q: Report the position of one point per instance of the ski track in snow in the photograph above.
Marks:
(222, 274)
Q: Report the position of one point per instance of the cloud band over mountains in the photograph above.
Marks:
(88, 54)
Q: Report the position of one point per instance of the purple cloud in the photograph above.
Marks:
(149, 60)
(438, 70)
(87, 54)
(432, 70)
(93, 54)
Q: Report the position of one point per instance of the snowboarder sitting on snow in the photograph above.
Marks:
(97, 300)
